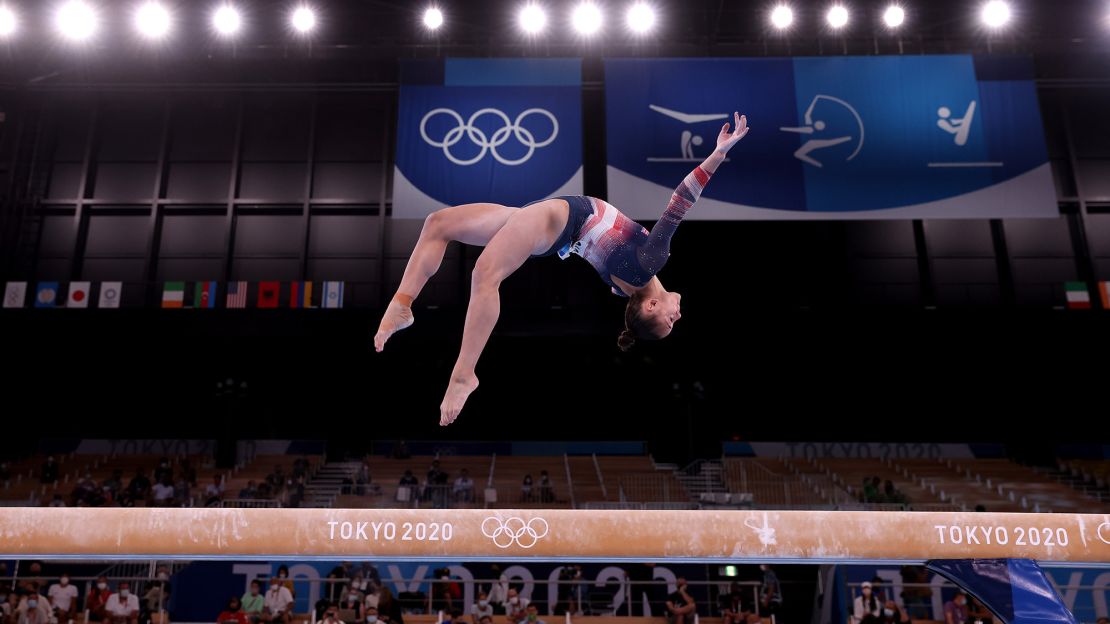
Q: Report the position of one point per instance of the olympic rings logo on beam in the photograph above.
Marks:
(1104, 532)
(490, 144)
(505, 533)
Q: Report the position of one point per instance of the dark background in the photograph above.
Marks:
(271, 159)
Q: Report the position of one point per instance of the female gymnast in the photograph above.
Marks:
(623, 252)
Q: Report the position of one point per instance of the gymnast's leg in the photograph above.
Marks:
(470, 224)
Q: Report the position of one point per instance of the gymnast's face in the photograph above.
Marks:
(663, 312)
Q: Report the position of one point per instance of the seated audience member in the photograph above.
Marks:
(277, 604)
(123, 607)
(63, 599)
(866, 608)
(482, 607)
(351, 605)
(737, 607)
(893, 614)
(233, 614)
(253, 602)
(532, 615)
(516, 607)
(955, 610)
(97, 599)
(680, 606)
(331, 616)
(33, 608)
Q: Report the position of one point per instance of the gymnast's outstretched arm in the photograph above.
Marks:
(688, 192)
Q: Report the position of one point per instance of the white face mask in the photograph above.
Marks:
(353, 596)
(370, 619)
(888, 612)
(515, 600)
(274, 587)
(32, 603)
(102, 586)
(162, 576)
(124, 592)
(483, 603)
(64, 581)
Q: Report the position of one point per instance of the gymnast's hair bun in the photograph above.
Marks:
(625, 340)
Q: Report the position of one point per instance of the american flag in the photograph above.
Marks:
(237, 295)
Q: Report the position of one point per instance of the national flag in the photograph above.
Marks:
(333, 295)
(205, 296)
(78, 295)
(1078, 297)
(15, 294)
(174, 295)
(1104, 289)
(46, 295)
(110, 293)
(300, 295)
(268, 294)
(236, 294)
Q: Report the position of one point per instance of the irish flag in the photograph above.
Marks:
(1078, 297)
(173, 296)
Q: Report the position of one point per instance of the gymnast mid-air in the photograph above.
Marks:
(625, 254)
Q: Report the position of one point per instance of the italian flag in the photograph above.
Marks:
(174, 295)
(1104, 289)
(1078, 297)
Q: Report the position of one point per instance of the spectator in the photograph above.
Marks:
(5, 604)
(114, 482)
(188, 472)
(893, 614)
(680, 606)
(48, 473)
(389, 608)
(97, 599)
(373, 598)
(163, 470)
(182, 489)
(866, 608)
(516, 607)
(63, 598)
(485, 619)
(157, 596)
(331, 616)
(770, 592)
(163, 492)
(893, 495)
(338, 577)
(276, 479)
(955, 610)
(736, 608)
(123, 607)
(300, 467)
(32, 609)
(233, 614)
(482, 608)
(408, 481)
(250, 491)
(252, 602)
(352, 600)
(362, 478)
(464, 487)
(34, 580)
(371, 615)
(277, 603)
(869, 491)
(526, 489)
(214, 491)
(547, 493)
(139, 487)
(286, 582)
(532, 615)
(916, 594)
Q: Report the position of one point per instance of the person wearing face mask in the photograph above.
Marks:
(516, 607)
(955, 610)
(252, 601)
(63, 598)
(371, 615)
(866, 608)
(97, 599)
(372, 598)
(736, 606)
(482, 608)
(893, 614)
(33, 609)
(5, 607)
(286, 581)
(350, 607)
(680, 605)
(277, 603)
(157, 596)
(123, 607)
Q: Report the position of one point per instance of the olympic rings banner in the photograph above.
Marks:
(903, 137)
(506, 131)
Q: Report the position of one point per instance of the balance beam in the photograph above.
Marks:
(548, 535)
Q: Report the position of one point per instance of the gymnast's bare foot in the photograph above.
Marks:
(397, 316)
(457, 392)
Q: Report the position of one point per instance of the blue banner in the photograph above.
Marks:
(505, 131)
(831, 138)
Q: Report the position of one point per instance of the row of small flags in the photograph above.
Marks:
(1079, 298)
(204, 295)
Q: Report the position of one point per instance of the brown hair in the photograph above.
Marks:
(635, 325)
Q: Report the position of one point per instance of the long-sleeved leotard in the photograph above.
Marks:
(618, 246)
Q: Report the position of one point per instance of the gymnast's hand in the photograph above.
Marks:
(726, 139)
